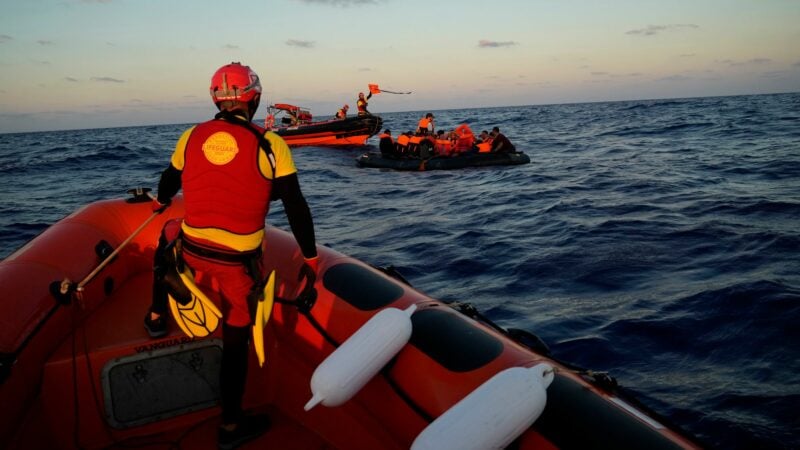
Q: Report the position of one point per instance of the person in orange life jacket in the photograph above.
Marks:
(361, 104)
(386, 143)
(229, 170)
(342, 112)
(443, 142)
(500, 143)
(402, 143)
(426, 125)
(482, 143)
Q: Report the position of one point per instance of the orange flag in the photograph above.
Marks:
(373, 88)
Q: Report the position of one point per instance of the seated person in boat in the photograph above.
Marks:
(426, 125)
(342, 112)
(445, 142)
(484, 142)
(401, 145)
(290, 118)
(361, 104)
(500, 143)
(460, 138)
(386, 144)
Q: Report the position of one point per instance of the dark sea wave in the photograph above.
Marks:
(657, 240)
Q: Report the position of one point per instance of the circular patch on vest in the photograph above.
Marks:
(220, 148)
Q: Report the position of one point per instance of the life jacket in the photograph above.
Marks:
(223, 186)
(465, 138)
(362, 106)
(444, 146)
(386, 144)
(485, 146)
(341, 113)
(465, 142)
(422, 126)
(402, 140)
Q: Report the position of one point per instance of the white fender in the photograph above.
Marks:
(493, 415)
(345, 371)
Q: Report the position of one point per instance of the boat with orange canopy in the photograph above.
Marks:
(78, 370)
(296, 126)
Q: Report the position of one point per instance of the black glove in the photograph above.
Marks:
(159, 207)
(308, 271)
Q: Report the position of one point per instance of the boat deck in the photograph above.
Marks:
(109, 342)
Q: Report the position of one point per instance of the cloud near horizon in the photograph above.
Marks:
(483, 43)
(675, 78)
(616, 75)
(749, 62)
(652, 30)
(300, 43)
(5, 38)
(107, 80)
(343, 3)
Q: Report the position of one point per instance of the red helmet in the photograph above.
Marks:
(235, 82)
(360, 94)
(346, 107)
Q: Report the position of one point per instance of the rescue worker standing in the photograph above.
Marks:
(426, 125)
(361, 104)
(229, 170)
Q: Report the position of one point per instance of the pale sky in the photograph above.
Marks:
(71, 64)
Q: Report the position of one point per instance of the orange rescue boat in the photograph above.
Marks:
(296, 126)
(78, 370)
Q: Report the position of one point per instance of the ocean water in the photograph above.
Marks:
(656, 240)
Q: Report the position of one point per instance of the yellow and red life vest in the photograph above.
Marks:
(226, 192)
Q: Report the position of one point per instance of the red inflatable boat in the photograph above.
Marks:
(296, 126)
(79, 370)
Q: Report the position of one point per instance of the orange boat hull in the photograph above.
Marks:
(86, 374)
(352, 131)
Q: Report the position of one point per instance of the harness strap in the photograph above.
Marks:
(250, 260)
(262, 141)
(219, 254)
